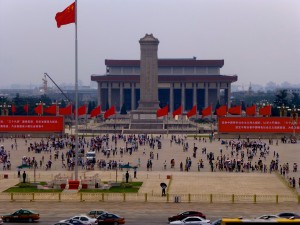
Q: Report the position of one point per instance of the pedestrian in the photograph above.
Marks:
(163, 192)
(127, 176)
(294, 182)
(24, 177)
(19, 173)
(134, 172)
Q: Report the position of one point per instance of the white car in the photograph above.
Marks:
(267, 217)
(84, 219)
(192, 220)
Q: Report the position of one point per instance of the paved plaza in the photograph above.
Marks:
(192, 182)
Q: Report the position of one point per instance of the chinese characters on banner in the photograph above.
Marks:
(256, 125)
(32, 123)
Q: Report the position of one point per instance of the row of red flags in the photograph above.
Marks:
(82, 110)
(221, 111)
(53, 109)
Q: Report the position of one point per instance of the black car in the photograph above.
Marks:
(109, 218)
(288, 215)
(185, 214)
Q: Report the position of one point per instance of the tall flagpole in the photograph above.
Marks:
(76, 95)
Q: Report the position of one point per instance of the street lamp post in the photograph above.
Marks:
(41, 104)
(4, 109)
(56, 103)
(294, 118)
(283, 110)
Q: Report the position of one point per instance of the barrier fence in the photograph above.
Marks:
(136, 197)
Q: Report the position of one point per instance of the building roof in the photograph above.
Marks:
(167, 62)
(166, 78)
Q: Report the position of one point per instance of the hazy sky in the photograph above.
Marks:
(258, 39)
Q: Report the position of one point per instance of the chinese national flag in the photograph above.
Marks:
(192, 112)
(51, 109)
(13, 109)
(81, 110)
(67, 16)
(221, 111)
(26, 108)
(237, 110)
(207, 111)
(163, 111)
(66, 111)
(111, 111)
(178, 111)
(39, 109)
(96, 111)
(251, 111)
(265, 111)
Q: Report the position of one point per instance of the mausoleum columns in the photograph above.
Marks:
(183, 96)
(171, 98)
(206, 95)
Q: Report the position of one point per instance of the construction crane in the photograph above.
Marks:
(58, 87)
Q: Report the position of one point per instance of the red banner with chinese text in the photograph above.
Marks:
(258, 125)
(31, 124)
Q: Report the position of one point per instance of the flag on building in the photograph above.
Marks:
(26, 108)
(265, 111)
(163, 111)
(67, 16)
(251, 110)
(39, 109)
(177, 112)
(13, 108)
(207, 111)
(237, 110)
(111, 111)
(192, 112)
(221, 111)
(51, 109)
(66, 111)
(96, 111)
(81, 110)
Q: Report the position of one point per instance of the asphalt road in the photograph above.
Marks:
(143, 213)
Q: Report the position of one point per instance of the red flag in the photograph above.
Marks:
(207, 111)
(26, 108)
(81, 110)
(251, 110)
(39, 109)
(67, 16)
(192, 112)
(221, 111)
(96, 111)
(237, 110)
(178, 111)
(13, 108)
(162, 111)
(51, 109)
(111, 111)
(265, 111)
(66, 111)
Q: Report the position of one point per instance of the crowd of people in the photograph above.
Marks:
(142, 151)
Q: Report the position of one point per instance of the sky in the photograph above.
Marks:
(258, 39)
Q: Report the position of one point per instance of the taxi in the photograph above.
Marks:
(21, 215)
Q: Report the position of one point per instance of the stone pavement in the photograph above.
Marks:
(196, 183)
(182, 182)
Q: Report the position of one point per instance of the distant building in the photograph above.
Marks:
(185, 82)
(293, 90)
